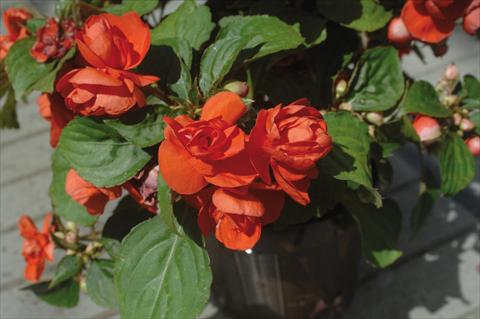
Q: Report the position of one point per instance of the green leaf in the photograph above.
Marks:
(379, 228)
(25, 74)
(142, 129)
(8, 112)
(63, 204)
(475, 118)
(126, 215)
(268, 33)
(348, 159)
(100, 285)
(140, 7)
(190, 22)
(378, 82)
(423, 99)
(457, 166)
(217, 60)
(161, 274)
(64, 295)
(361, 15)
(394, 134)
(472, 86)
(164, 198)
(68, 267)
(112, 246)
(34, 24)
(99, 154)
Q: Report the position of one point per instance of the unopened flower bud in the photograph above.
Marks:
(71, 237)
(371, 131)
(375, 118)
(238, 87)
(59, 235)
(345, 106)
(71, 226)
(340, 88)
(70, 252)
(83, 284)
(466, 125)
(398, 33)
(427, 129)
(90, 249)
(451, 72)
(457, 119)
(450, 100)
(473, 144)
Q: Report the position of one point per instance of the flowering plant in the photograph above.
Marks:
(223, 119)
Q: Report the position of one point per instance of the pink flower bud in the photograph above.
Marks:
(398, 34)
(238, 87)
(427, 129)
(466, 125)
(457, 119)
(451, 72)
(375, 118)
(473, 144)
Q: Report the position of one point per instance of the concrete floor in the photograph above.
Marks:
(437, 278)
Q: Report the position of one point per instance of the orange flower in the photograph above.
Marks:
(432, 21)
(471, 19)
(110, 41)
(53, 109)
(211, 150)
(53, 42)
(37, 246)
(289, 140)
(98, 92)
(237, 215)
(88, 195)
(14, 20)
(427, 129)
(143, 188)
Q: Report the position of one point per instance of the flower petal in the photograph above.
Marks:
(226, 105)
(235, 203)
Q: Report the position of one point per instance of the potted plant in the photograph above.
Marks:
(250, 138)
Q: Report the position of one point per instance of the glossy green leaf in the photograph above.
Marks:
(34, 24)
(190, 22)
(8, 111)
(361, 15)
(378, 81)
(423, 99)
(457, 166)
(161, 274)
(63, 204)
(379, 228)
(349, 158)
(471, 89)
(25, 74)
(68, 267)
(142, 129)
(475, 118)
(164, 198)
(217, 60)
(64, 295)
(141, 7)
(100, 285)
(422, 209)
(112, 246)
(266, 33)
(99, 154)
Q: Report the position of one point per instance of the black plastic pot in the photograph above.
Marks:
(306, 271)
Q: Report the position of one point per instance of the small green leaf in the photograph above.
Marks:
(63, 204)
(25, 74)
(140, 7)
(68, 267)
(100, 285)
(164, 198)
(64, 295)
(378, 82)
(422, 209)
(349, 158)
(475, 118)
(423, 99)
(379, 228)
(190, 22)
(457, 166)
(112, 246)
(140, 128)
(99, 154)
(161, 274)
(126, 215)
(361, 15)
(268, 33)
(217, 60)
(472, 87)
(34, 24)
(8, 112)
